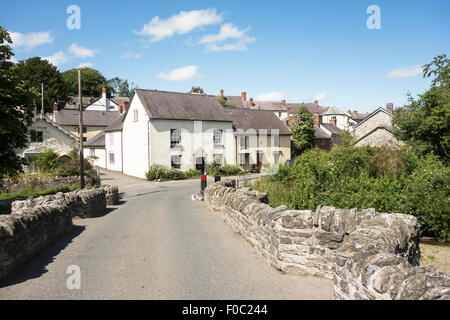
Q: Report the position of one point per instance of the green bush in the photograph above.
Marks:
(226, 170)
(158, 172)
(46, 161)
(192, 173)
(389, 180)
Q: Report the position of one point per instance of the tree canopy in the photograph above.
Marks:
(36, 71)
(92, 82)
(121, 87)
(16, 109)
(425, 122)
(303, 130)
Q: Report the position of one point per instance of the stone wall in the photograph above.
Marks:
(112, 194)
(362, 251)
(18, 184)
(35, 223)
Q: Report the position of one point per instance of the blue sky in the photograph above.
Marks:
(295, 50)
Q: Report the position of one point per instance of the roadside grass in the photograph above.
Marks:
(436, 254)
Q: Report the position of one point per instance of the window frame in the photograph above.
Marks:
(175, 140)
(34, 136)
(174, 164)
(216, 138)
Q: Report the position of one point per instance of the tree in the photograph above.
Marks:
(92, 82)
(425, 123)
(303, 130)
(197, 89)
(16, 109)
(121, 87)
(36, 71)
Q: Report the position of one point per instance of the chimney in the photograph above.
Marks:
(355, 112)
(250, 103)
(125, 106)
(317, 120)
(390, 107)
(333, 121)
(288, 108)
(283, 103)
(103, 92)
(244, 96)
(316, 103)
(221, 93)
(55, 110)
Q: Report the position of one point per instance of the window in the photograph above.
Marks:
(36, 136)
(244, 142)
(218, 138)
(175, 137)
(111, 158)
(136, 114)
(276, 157)
(242, 159)
(176, 162)
(279, 114)
(84, 129)
(276, 140)
(84, 139)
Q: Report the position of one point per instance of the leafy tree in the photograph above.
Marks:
(121, 87)
(303, 130)
(16, 109)
(197, 89)
(92, 82)
(425, 122)
(36, 71)
(347, 139)
(46, 161)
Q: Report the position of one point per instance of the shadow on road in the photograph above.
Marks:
(36, 266)
(122, 195)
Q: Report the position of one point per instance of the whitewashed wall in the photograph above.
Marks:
(135, 140)
(113, 145)
(100, 153)
(342, 121)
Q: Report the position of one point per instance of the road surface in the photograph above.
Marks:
(157, 244)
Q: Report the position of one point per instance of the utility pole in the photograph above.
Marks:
(42, 99)
(80, 127)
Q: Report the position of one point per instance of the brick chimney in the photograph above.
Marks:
(390, 107)
(333, 121)
(125, 106)
(355, 112)
(283, 103)
(250, 103)
(316, 103)
(317, 120)
(288, 108)
(244, 96)
(55, 110)
(221, 93)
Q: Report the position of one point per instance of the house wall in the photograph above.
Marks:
(103, 104)
(113, 144)
(91, 131)
(135, 140)
(380, 137)
(380, 119)
(282, 115)
(191, 140)
(258, 143)
(342, 121)
(99, 152)
(53, 138)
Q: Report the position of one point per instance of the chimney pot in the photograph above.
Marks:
(355, 112)
(288, 108)
(250, 102)
(221, 93)
(390, 107)
(316, 103)
(244, 96)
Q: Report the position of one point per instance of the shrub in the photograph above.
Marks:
(192, 173)
(46, 161)
(158, 172)
(226, 170)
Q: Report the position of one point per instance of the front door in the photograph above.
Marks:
(200, 164)
(259, 160)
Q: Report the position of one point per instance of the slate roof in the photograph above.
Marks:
(320, 134)
(95, 118)
(117, 125)
(235, 101)
(380, 109)
(310, 106)
(73, 102)
(335, 111)
(119, 100)
(181, 106)
(360, 116)
(245, 119)
(96, 141)
(268, 106)
(332, 128)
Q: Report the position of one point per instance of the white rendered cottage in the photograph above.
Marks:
(178, 130)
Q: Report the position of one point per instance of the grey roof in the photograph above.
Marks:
(57, 126)
(320, 134)
(311, 107)
(268, 106)
(95, 118)
(335, 111)
(96, 141)
(119, 100)
(245, 119)
(360, 116)
(117, 125)
(235, 101)
(73, 102)
(332, 128)
(181, 106)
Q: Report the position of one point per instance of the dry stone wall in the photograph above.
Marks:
(35, 223)
(369, 255)
(18, 184)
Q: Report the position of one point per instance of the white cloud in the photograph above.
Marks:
(321, 96)
(13, 60)
(179, 74)
(30, 40)
(85, 65)
(405, 72)
(57, 59)
(81, 52)
(227, 31)
(270, 96)
(182, 23)
(132, 55)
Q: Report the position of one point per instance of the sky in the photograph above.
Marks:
(341, 53)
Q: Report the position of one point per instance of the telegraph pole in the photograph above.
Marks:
(80, 127)
(42, 99)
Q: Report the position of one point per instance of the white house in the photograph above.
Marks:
(178, 130)
(45, 134)
(102, 103)
(341, 119)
